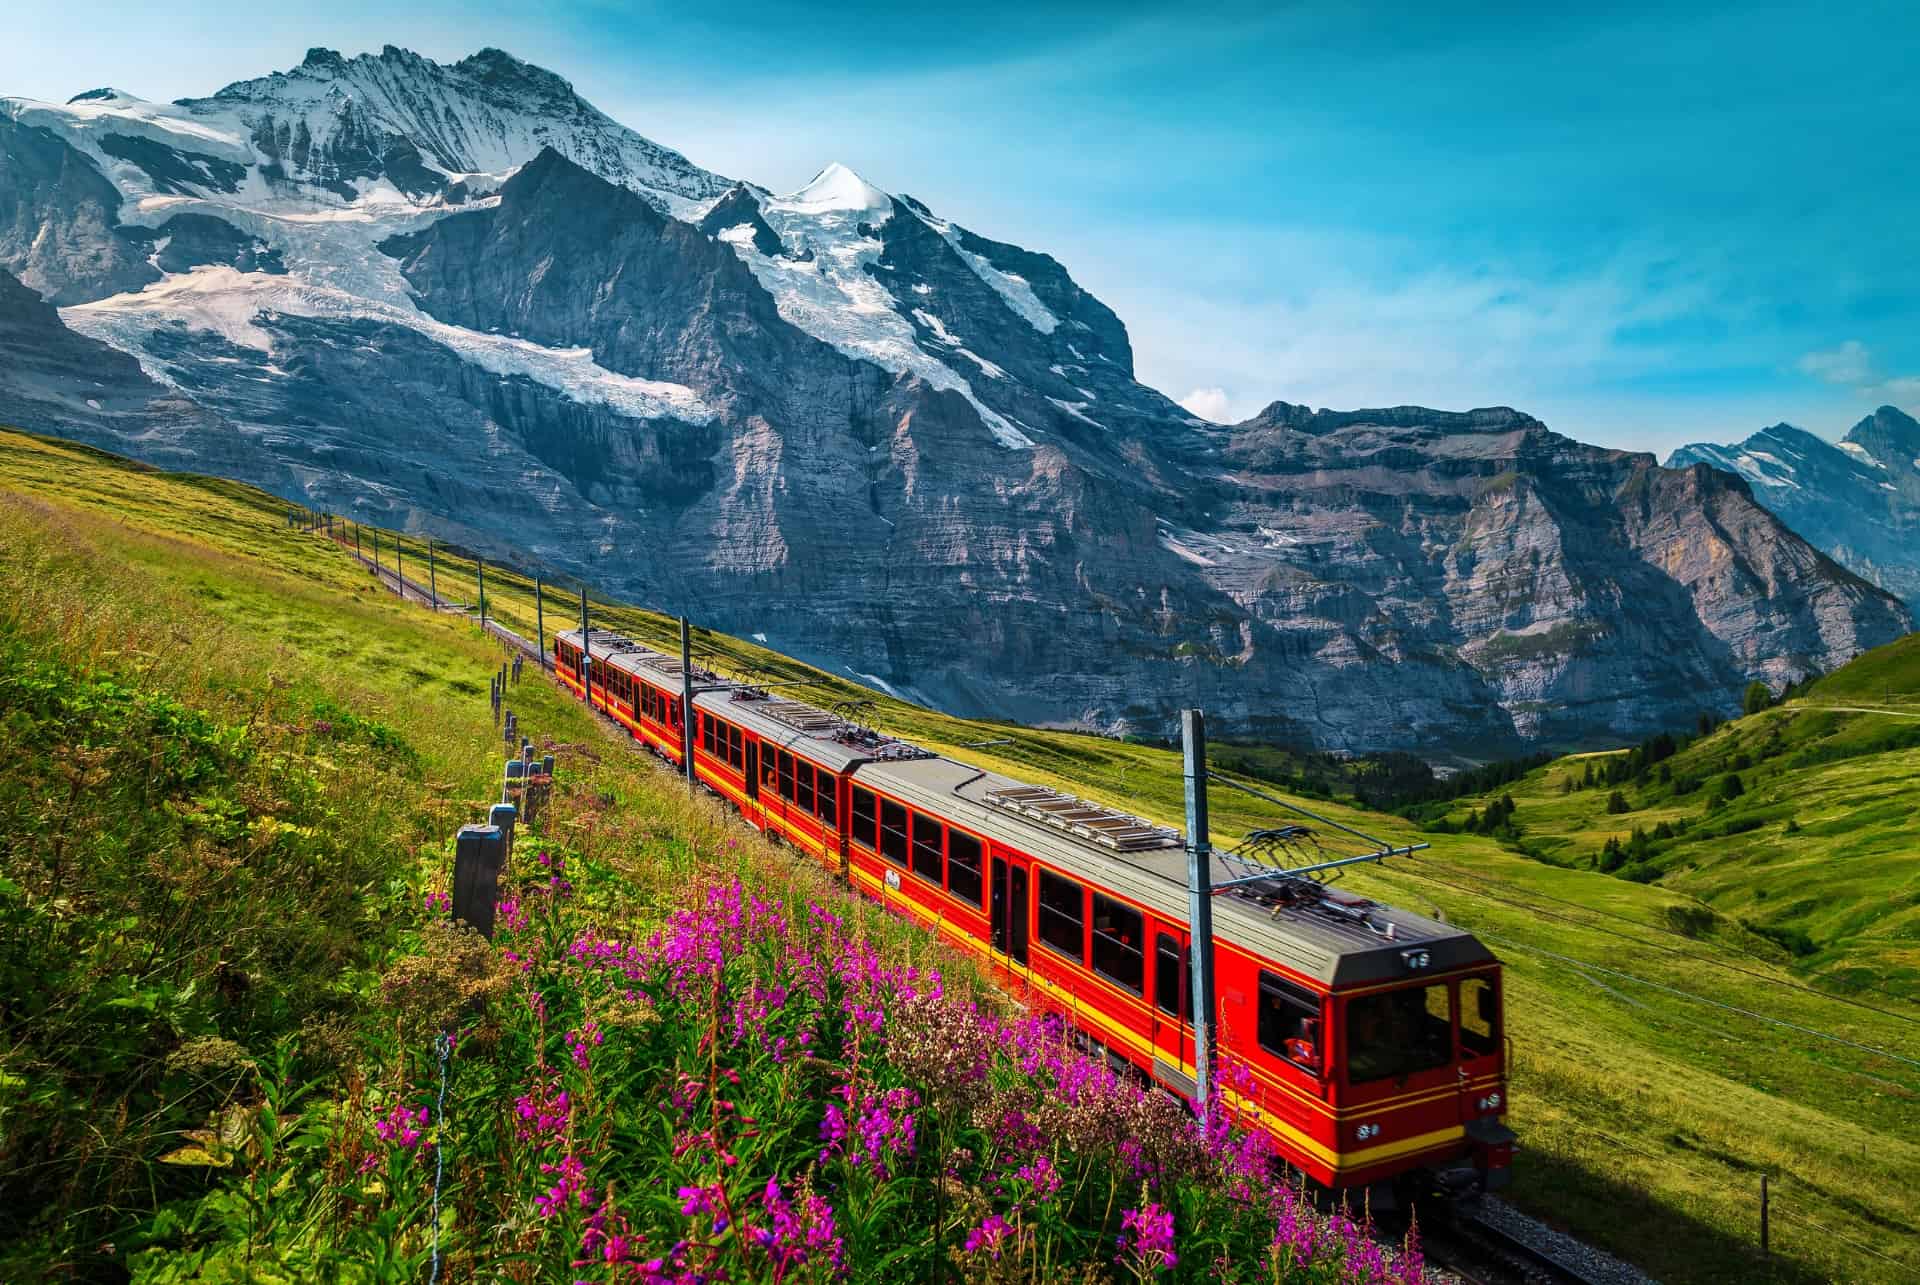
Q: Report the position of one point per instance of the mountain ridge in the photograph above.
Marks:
(1857, 500)
(912, 453)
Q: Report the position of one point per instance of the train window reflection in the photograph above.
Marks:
(1118, 935)
(1289, 1021)
(1396, 1033)
(1479, 1017)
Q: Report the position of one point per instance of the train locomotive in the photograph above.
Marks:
(1371, 1038)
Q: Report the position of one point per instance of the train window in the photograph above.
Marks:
(786, 775)
(963, 866)
(1169, 976)
(736, 749)
(1063, 916)
(864, 819)
(1396, 1033)
(828, 803)
(893, 832)
(1118, 935)
(706, 731)
(927, 848)
(1289, 1022)
(803, 784)
(769, 767)
(1479, 1017)
(673, 714)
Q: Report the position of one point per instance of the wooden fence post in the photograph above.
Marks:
(479, 855)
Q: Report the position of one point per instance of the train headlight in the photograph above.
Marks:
(1366, 1131)
(1491, 1102)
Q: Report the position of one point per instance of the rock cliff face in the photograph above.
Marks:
(1858, 501)
(459, 299)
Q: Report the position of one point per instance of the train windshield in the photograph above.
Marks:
(1394, 1034)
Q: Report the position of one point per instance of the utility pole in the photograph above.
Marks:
(686, 700)
(1193, 737)
(433, 583)
(480, 565)
(376, 552)
(356, 541)
(540, 621)
(586, 651)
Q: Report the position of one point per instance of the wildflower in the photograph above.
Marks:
(438, 901)
(403, 1128)
(570, 1187)
(989, 1236)
(1146, 1239)
(509, 915)
(792, 1237)
(579, 1042)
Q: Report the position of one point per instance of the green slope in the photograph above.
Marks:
(1647, 1113)
(1815, 862)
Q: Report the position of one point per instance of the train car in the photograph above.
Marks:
(1369, 1039)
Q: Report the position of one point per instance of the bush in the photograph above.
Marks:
(1617, 803)
(1690, 921)
(1759, 697)
(1794, 941)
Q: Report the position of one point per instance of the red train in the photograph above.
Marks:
(1373, 1036)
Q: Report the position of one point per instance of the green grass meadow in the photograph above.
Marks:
(1669, 1049)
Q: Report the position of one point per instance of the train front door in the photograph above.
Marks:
(1009, 913)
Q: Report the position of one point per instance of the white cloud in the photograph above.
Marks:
(1850, 364)
(1209, 404)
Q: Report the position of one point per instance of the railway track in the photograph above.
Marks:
(1480, 1252)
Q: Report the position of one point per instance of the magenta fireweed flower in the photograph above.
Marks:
(1146, 1238)
(403, 1128)
(543, 1111)
(438, 901)
(792, 1238)
(989, 1236)
(579, 1042)
(510, 915)
(570, 1187)
(1042, 1179)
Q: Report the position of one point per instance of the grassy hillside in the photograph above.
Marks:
(1796, 827)
(1646, 1112)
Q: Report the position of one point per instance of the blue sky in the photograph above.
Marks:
(1644, 228)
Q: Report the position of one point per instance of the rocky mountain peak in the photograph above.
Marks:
(1891, 436)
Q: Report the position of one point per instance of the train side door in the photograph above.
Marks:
(1009, 911)
(1172, 1001)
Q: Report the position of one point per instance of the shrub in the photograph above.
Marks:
(1759, 697)
(1690, 921)
(1617, 803)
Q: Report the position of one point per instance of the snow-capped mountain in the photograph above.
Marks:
(1858, 499)
(459, 298)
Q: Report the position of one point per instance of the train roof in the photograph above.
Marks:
(1336, 938)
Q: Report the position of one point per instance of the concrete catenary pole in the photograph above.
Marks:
(540, 621)
(433, 582)
(586, 651)
(480, 567)
(1193, 737)
(686, 700)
